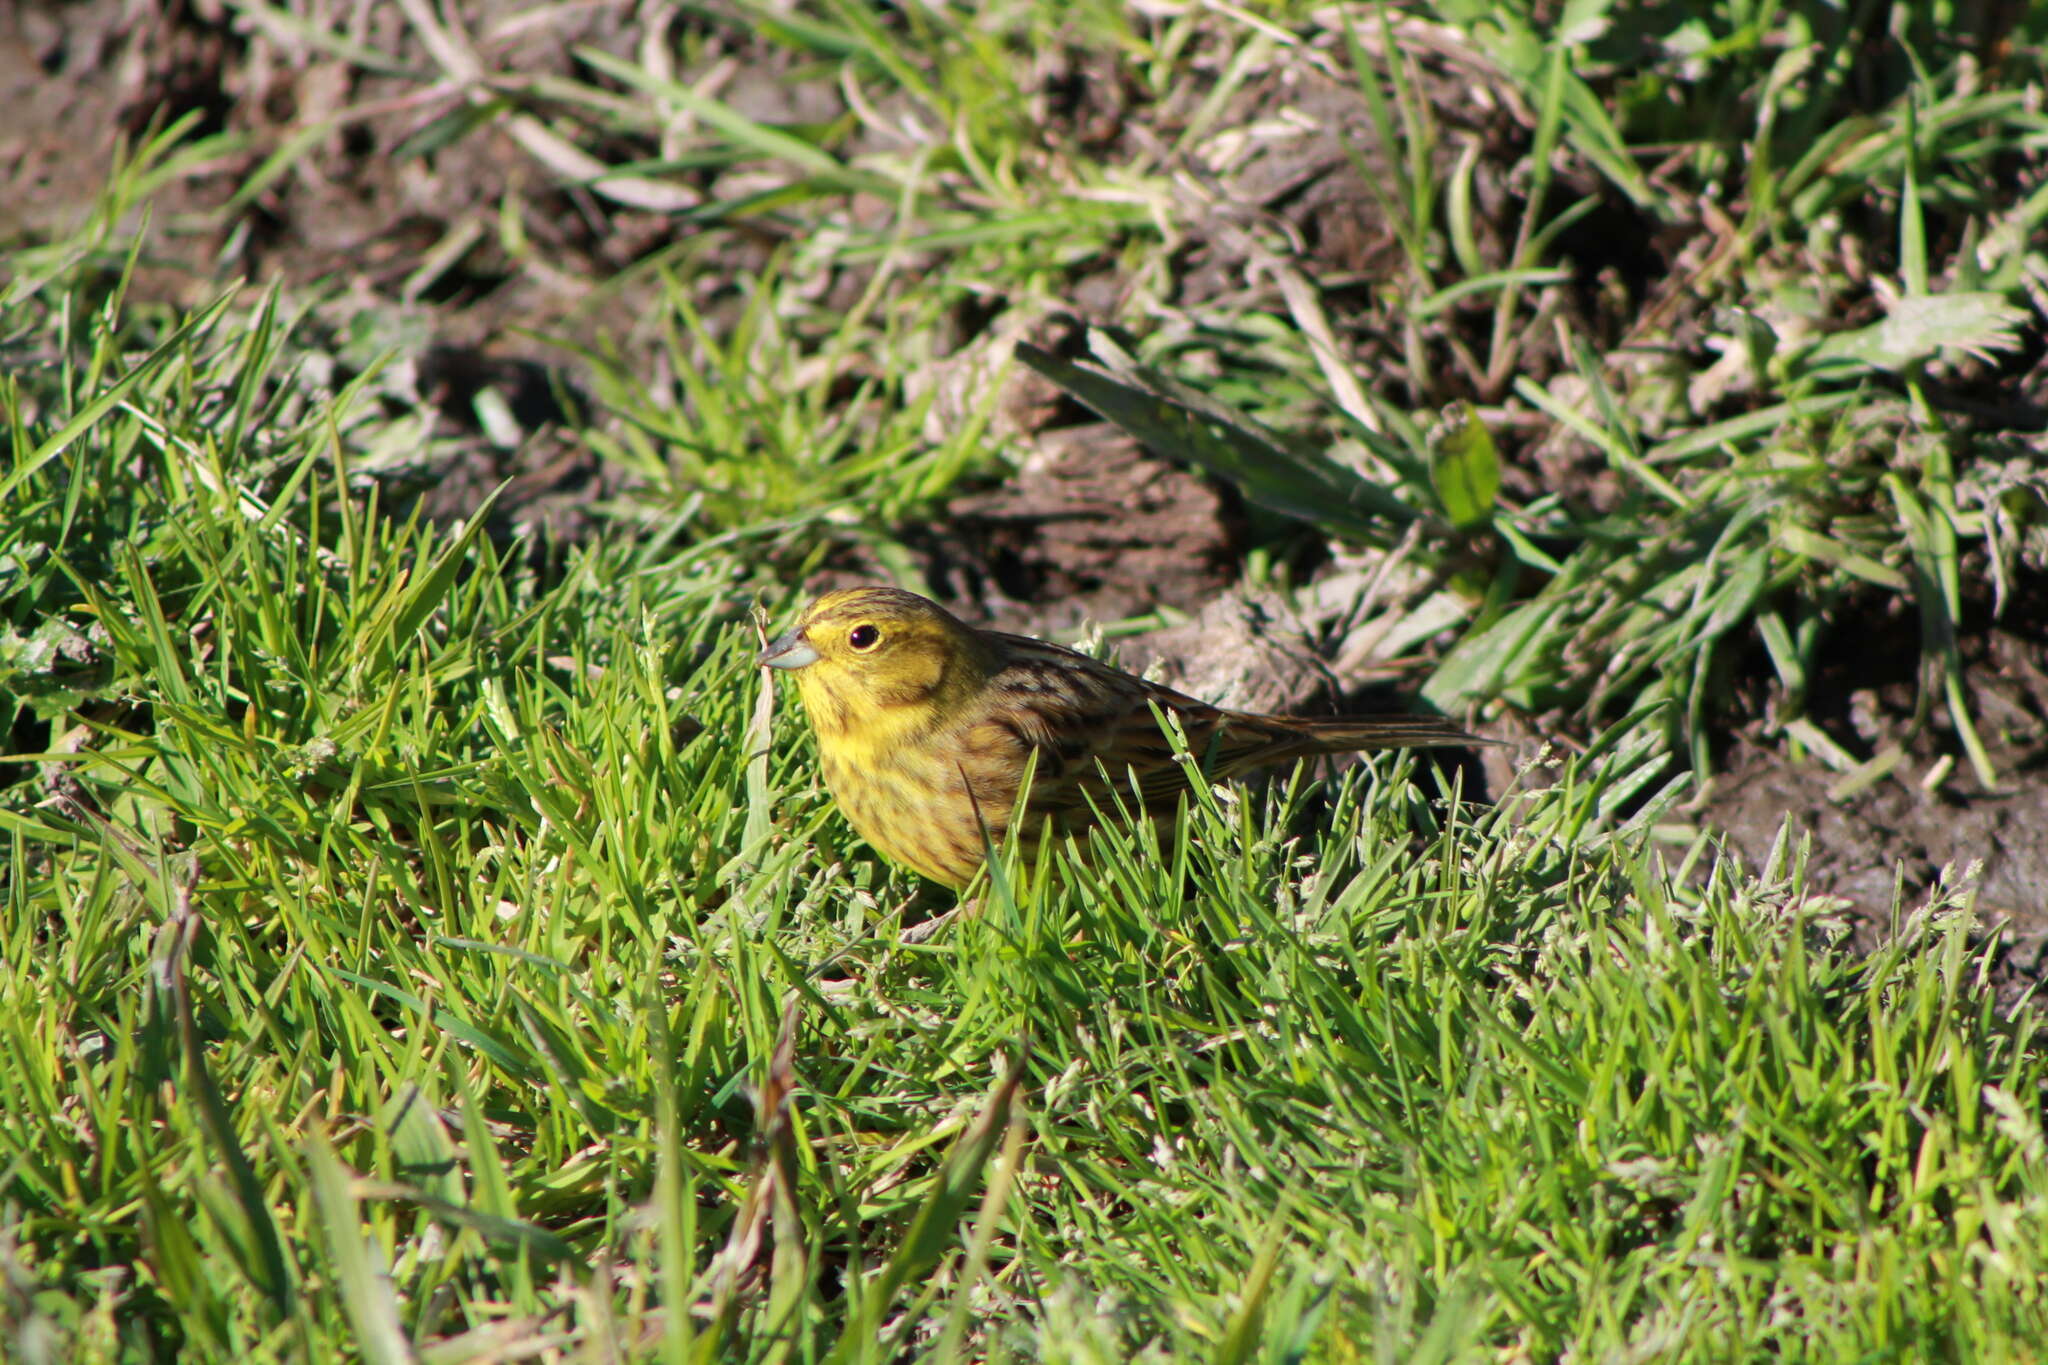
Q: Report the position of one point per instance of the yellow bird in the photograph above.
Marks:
(926, 727)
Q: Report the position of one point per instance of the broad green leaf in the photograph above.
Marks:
(1464, 466)
(1179, 423)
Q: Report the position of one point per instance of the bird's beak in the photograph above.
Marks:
(789, 650)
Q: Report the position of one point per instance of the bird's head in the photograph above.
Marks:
(865, 656)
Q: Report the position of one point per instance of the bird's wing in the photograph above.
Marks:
(1094, 729)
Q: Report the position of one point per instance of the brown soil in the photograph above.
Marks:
(1884, 843)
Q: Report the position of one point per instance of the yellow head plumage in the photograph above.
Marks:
(879, 662)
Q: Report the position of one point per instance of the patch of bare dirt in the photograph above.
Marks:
(1095, 524)
(1882, 845)
(1883, 849)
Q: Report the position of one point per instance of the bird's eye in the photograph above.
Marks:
(864, 637)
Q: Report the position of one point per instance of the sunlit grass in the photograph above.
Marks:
(423, 945)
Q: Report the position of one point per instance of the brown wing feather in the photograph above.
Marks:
(1253, 741)
(1095, 730)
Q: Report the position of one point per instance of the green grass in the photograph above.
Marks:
(393, 963)
(425, 946)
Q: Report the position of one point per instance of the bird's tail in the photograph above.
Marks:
(1342, 734)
